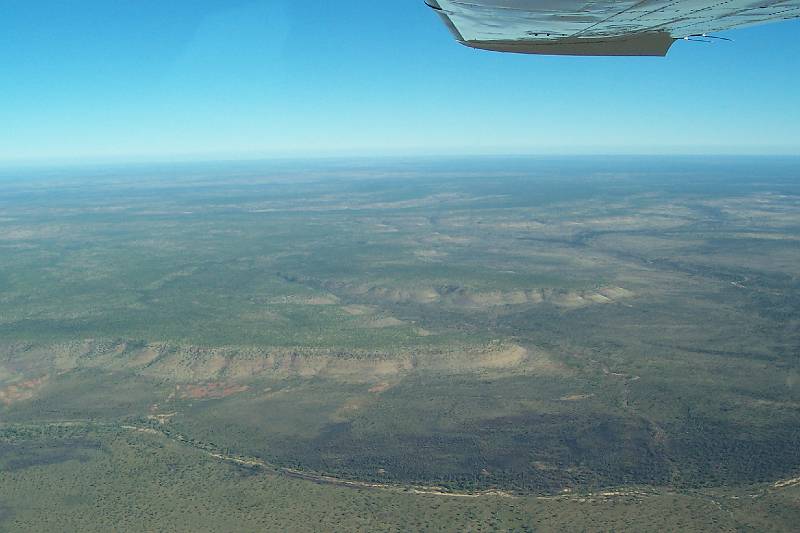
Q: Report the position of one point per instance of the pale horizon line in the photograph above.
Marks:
(179, 159)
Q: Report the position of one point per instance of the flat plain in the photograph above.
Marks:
(585, 344)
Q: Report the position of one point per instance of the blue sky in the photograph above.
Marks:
(143, 79)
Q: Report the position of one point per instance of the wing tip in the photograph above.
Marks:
(434, 5)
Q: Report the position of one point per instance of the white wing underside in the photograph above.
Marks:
(599, 27)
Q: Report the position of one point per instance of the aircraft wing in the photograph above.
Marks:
(600, 27)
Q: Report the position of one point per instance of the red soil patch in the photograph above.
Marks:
(380, 387)
(24, 390)
(212, 391)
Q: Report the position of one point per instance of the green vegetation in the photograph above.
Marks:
(551, 331)
(100, 477)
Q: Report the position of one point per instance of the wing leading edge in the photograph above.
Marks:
(599, 27)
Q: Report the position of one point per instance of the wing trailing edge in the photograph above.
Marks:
(640, 44)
